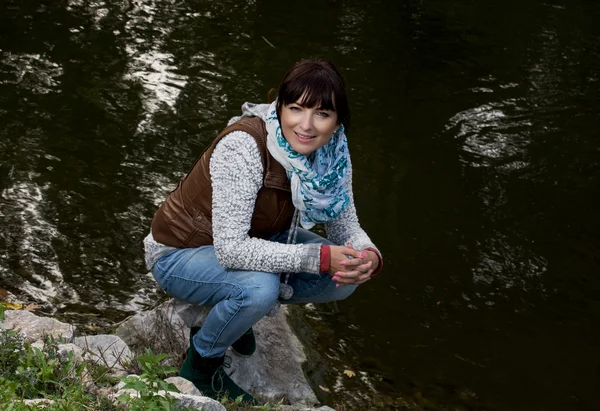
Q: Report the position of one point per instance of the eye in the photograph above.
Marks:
(323, 114)
(293, 108)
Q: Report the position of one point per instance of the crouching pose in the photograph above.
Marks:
(234, 233)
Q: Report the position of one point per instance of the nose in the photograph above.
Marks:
(306, 122)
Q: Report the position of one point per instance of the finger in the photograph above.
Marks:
(343, 280)
(354, 274)
(366, 277)
(363, 268)
(354, 253)
(349, 245)
(352, 263)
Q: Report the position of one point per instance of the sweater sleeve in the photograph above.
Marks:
(237, 175)
(346, 229)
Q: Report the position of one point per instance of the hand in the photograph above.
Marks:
(340, 255)
(356, 270)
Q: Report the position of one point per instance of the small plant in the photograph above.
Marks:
(28, 372)
(11, 349)
(101, 375)
(238, 405)
(149, 384)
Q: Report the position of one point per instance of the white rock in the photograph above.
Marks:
(183, 400)
(106, 350)
(34, 327)
(198, 402)
(39, 401)
(273, 372)
(184, 386)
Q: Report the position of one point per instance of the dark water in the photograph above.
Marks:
(476, 150)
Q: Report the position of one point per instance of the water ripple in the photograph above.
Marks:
(30, 242)
(33, 72)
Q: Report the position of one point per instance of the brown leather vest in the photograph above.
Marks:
(185, 218)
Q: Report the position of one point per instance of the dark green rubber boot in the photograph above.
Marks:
(209, 376)
(245, 345)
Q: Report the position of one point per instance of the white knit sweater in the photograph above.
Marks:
(236, 173)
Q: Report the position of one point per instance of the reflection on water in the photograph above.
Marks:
(476, 154)
(32, 72)
(39, 272)
(497, 135)
(148, 63)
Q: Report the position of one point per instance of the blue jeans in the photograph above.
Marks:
(238, 298)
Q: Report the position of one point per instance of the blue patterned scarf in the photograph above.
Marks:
(318, 185)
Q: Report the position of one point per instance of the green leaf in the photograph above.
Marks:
(124, 397)
(163, 385)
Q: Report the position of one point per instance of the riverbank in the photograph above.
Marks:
(47, 364)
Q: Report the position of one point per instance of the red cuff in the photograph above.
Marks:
(325, 259)
(380, 266)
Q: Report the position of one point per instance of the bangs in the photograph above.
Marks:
(311, 91)
(315, 84)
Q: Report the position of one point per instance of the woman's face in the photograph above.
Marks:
(307, 129)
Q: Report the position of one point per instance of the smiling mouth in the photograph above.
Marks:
(303, 137)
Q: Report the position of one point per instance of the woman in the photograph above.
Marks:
(228, 236)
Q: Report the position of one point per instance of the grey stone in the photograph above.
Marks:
(184, 386)
(275, 369)
(198, 402)
(34, 327)
(65, 349)
(273, 372)
(107, 350)
(183, 400)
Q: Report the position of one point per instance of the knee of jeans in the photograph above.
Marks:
(344, 292)
(262, 298)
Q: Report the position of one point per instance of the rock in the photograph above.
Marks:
(275, 369)
(197, 402)
(172, 318)
(34, 327)
(38, 402)
(106, 350)
(65, 349)
(273, 372)
(184, 386)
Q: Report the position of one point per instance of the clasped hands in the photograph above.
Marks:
(350, 266)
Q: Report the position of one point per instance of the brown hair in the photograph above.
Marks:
(319, 84)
